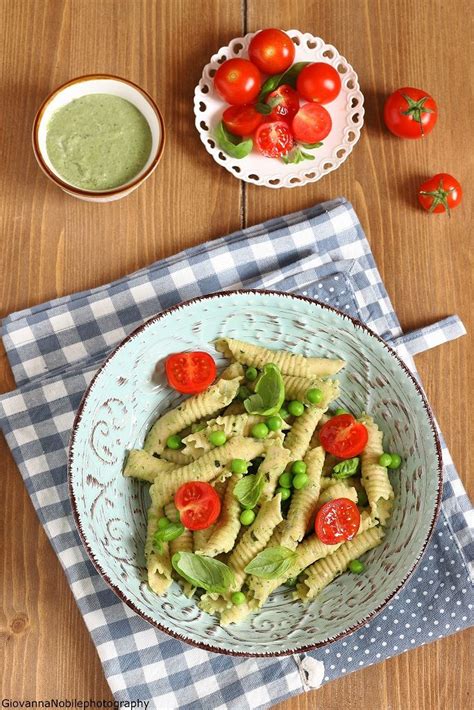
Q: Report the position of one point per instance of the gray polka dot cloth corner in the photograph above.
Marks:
(54, 350)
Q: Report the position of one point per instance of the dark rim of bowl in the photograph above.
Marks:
(96, 193)
(209, 647)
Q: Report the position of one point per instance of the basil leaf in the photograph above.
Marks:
(269, 393)
(271, 563)
(249, 489)
(288, 77)
(269, 85)
(312, 145)
(264, 109)
(204, 572)
(296, 156)
(171, 532)
(345, 469)
(226, 140)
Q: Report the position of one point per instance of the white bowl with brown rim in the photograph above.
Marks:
(98, 84)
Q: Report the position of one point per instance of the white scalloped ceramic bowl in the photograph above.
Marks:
(347, 114)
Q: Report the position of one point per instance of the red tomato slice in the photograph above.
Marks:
(190, 373)
(272, 51)
(198, 504)
(319, 82)
(274, 139)
(311, 124)
(242, 120)
(285, 103)
(337, 521)
(343, 436)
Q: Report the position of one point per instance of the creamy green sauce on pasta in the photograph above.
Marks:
(98, 142)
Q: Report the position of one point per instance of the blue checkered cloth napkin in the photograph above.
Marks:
(54, 350)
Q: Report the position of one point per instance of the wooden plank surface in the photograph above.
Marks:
(53, 245)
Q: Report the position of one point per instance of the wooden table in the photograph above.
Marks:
(54, 244)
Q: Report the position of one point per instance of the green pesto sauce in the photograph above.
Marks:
(98, 142)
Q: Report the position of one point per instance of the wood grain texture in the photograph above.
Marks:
(53, 245)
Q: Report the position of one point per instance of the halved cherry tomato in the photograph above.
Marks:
(198, 504)
(238, 81)
(337, 521)
(272, 51)
(274, 139)
(285, 103)
(311, 124)
(242, 120)
(319, 82)
(190, 373)
(440, 193)
(343, 436)
(410, 113)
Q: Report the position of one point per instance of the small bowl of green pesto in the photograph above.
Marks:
(98, 137)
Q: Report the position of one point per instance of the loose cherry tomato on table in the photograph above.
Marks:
(272, 51)
(337, 521)
(441, 193)
(319, 82)
(311, 124)
(238, 81)
(343, 436)
(274, 139)
(410, 113)
(285, 103)
(198, 504)
(190, 373)
(242, 120)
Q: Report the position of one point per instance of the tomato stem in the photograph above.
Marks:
(440, 197)
(416, 109)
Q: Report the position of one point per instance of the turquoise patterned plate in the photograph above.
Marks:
(122, 402)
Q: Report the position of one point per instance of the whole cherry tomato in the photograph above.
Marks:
(242, 120)
(272, 51)
(319, 82)
(238, 81)
(274, 139)
(410, 113)
(440, 193)
(285, 103)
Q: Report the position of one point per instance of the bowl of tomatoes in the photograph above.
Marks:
(279, 109)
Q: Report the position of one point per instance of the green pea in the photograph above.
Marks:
(356, 566)
(163, 523)
(314, 395)
(340, 410)
(174, 442)
(274, 423)
(296, 408)
(238, 598)
(243, 392)
(247, 517)
(284, 414)
(285, 480)
(300, 481)
(385, 460)
(217, 438)
(298, 467)
(396, 461)
(284, 492)
(239, 466)
(259, 431)
(291, 582)
(251, 374)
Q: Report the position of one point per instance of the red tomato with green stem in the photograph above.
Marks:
(337, 521)
(272, 51)
(343, 436)
(238, 81)
(441, 193)
(242, 120)
(284, 103)
(190, 373)
(274, 139)
(410, 113)
(198, 504)
(319, 82)
(311, 124)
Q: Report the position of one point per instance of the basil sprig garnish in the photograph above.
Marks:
(171, 532)
(269, 392)
(249, 489)
(232, 145)
(345, 469)
(288, 77)
(204, 572)
(296, 156)
(271, 563)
